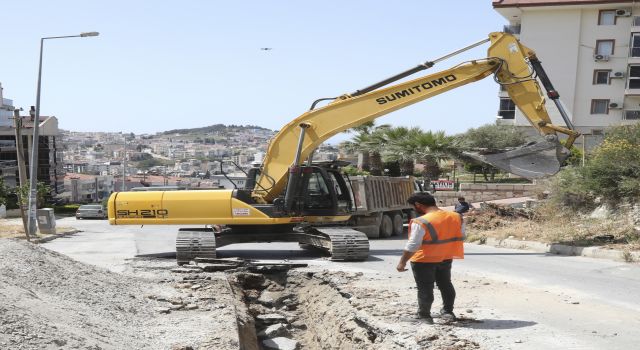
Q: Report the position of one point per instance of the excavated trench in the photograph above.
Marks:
(301, 310)
(279, 307)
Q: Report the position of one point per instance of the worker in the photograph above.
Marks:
(435, 238)
(462, 206)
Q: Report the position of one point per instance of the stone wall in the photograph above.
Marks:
(486, 192)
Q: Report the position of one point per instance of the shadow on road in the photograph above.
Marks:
(493, 324)
(258, 255)
(166, 255)
(385, 252)
(520, 253)
(271, 254)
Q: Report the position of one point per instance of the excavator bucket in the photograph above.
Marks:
(533, 161)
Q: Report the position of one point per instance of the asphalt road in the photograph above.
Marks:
(527, 300)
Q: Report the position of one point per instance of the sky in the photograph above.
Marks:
(159, 65)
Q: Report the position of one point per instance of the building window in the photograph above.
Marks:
(635, 45)
(634, 77)
(632, 115)
(605, 47)
(597, 132)
(636, 21)
(607, 17)
(507, 108)
(601, 77)
(599, 106)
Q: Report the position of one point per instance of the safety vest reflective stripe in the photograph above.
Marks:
(442, 241)
(430, 228)
(434, 234)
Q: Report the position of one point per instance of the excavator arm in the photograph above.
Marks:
(513, 65)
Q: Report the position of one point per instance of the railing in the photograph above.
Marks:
(632, 115)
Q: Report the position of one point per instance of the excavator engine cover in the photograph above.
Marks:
(537, 160)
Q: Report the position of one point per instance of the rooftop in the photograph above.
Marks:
(532, 3)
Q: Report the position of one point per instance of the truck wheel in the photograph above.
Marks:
(398, 224)
(386, 226)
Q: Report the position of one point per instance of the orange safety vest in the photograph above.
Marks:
(442, 239)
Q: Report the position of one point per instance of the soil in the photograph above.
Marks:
(620, 231)
(332, 310)
(51, 302)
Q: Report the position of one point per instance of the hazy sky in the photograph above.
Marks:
(160, 65)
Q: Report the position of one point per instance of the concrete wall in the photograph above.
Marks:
(486, 192)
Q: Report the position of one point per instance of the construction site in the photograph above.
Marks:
(521, 232)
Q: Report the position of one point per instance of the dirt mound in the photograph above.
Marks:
(50, 301)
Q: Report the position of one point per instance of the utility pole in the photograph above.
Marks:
(584, 148)
(124, 165)
(22, 169)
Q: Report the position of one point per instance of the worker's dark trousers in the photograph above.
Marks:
(427, 273)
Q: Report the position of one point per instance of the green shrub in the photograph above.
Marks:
(614, 170)
(570, 189)
(66, 209)
(611, 173)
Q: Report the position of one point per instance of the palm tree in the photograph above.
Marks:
(363, 144)
(431, 148)
(375, 146)
(402, 147)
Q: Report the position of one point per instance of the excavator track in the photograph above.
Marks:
(194, 243)
(343, 243)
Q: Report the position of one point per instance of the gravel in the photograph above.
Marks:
(49, 301)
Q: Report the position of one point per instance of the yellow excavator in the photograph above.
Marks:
(290, 198)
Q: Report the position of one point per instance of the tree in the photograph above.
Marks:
(611, 172)
(401, 146)
(5, 192)
(375, 146)
(431, 148)
(492, 138)
(357, 143)
(363, 143)
(42, 191)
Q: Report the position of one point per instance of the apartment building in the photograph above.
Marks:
(82, 188)
(50, 164)
(591, 52)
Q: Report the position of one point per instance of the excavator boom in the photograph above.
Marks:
(507, 59)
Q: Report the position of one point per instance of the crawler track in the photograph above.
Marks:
(195, 243)
(342, 243)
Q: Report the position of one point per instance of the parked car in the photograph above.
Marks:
(91, 211)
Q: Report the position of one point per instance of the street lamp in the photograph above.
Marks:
(33, 171)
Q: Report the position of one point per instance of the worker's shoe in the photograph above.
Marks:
(447, 316)
(424, 318)
(417, 317)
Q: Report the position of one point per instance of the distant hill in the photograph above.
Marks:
(213, 128)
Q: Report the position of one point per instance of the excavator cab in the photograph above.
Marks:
(320, 190)
(325, 193)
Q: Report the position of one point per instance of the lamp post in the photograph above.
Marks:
(33, 163)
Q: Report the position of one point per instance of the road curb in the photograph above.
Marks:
(562, 249)
(54, 236)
